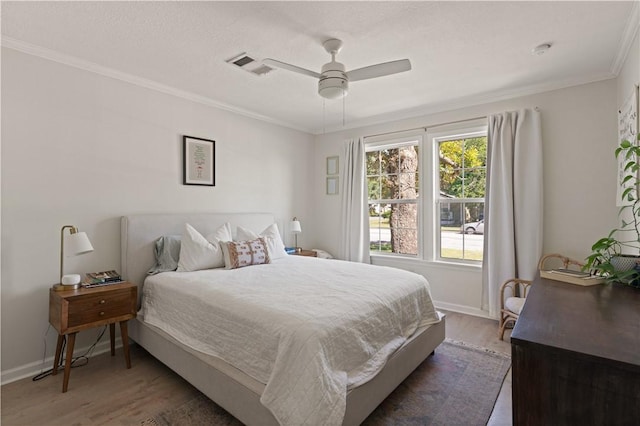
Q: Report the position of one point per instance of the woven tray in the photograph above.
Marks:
(571, 279)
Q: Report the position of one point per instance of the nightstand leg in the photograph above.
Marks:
(56, 360)
(124, 333)
(67, 362)
(112, 336)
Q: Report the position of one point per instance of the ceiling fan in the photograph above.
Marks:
(334, 80)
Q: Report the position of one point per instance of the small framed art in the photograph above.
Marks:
(199, 156)
(332, 165)
(332, 185)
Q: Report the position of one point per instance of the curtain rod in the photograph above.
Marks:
(425, 128)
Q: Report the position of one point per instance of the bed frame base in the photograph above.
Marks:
(244, 403)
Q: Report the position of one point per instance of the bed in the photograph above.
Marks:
(231, 384)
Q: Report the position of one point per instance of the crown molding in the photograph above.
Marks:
(630, 31)
(72, 61)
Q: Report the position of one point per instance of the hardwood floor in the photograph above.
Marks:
(106, 393)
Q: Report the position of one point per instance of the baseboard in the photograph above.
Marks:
(462, 309)
(33, 368)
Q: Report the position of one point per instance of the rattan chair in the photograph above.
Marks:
(512, 296)
(555, 260)
(514, 292)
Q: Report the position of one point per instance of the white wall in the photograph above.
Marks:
(82, 149)
(630, 72)
(579, 134)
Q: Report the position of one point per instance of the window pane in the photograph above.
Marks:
(388, 187)
(373, 163)
(403, 233)
(373, 183)
(379, 234)
(475, 183)
(451, 184)
(475, 152)
(461, 230)
(389, 160)
(407, 186)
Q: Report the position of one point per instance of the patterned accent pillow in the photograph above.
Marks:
(238, 254)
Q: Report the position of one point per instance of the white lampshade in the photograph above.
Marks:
(78, 243)
(295, 227)
(75, 243)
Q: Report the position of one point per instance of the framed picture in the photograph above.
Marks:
(332, 185)
(332, 165)
(627, 130)
(199, 156)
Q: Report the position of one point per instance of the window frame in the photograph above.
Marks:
(434, 139)
(399, 143)
(428, 200)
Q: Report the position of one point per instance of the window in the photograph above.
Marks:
(392, 180)
(462, 176)
(426, 195)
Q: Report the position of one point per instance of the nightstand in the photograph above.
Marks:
(76, 310)
(309, 253)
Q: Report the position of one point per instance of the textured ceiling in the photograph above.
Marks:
(461, 52)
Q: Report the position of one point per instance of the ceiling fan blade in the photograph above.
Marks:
(379, 70)
(290, 67)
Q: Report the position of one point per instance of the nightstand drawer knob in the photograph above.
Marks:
(102, 302)
(101, 314)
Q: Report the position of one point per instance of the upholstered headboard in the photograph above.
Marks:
(139, 232)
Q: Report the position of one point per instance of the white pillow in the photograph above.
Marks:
(272, 237)
(198, 252)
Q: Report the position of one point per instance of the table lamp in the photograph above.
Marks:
(295, 229)
(77, 243)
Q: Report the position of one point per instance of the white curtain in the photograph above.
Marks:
(355, 220)
(513, 210)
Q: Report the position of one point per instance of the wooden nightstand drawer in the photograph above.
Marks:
(76, 310)
(89, 308)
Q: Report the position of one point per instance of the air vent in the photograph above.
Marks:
(250, 64)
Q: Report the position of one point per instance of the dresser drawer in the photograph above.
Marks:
(90, 308)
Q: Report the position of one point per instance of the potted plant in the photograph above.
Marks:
(606, 258)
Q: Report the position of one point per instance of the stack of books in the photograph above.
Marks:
(95, 279)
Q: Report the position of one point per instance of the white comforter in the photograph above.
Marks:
(307, 328)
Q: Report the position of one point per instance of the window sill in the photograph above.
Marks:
(407, 260)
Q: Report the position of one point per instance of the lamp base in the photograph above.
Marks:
(66, 287)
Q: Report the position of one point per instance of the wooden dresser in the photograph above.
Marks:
(576, 356)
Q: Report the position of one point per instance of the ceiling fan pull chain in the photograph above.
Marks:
(324, 116)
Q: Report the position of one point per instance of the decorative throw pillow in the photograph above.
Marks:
(198, 252)
(238, 254)
(167, 250)
(272, 237)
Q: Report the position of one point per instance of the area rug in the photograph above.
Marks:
(458, 385)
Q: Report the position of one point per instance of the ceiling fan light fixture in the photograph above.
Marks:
(333, 88)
